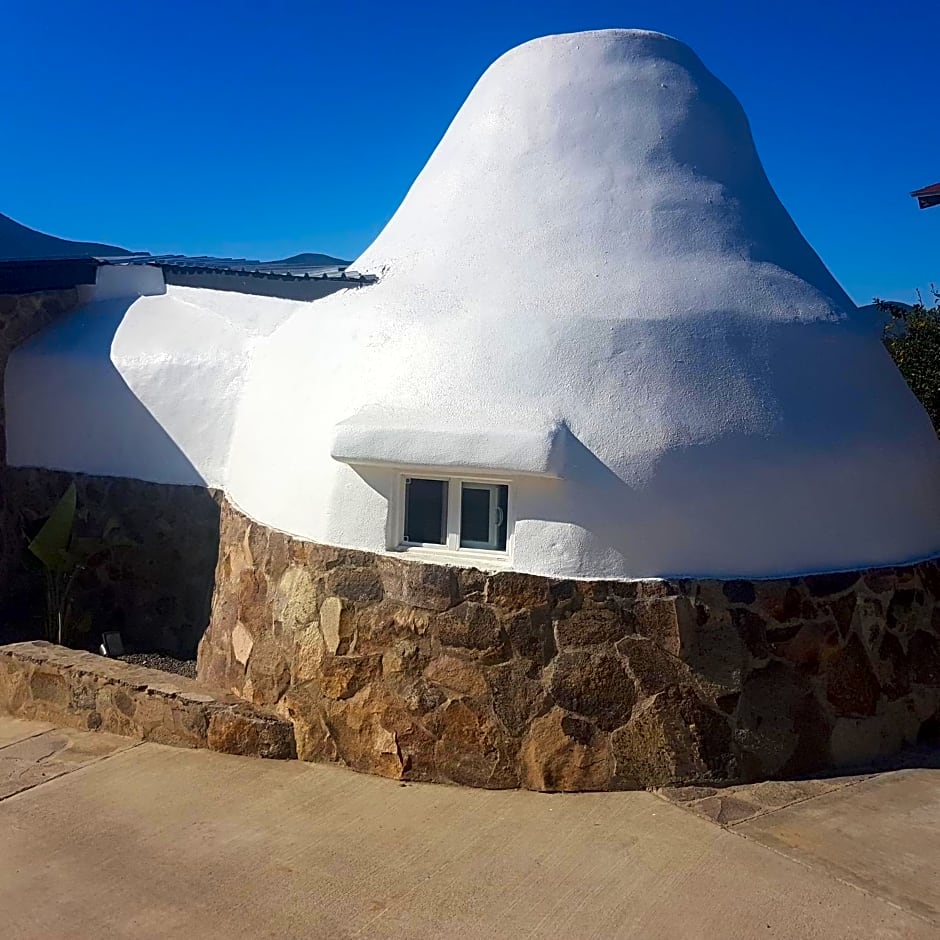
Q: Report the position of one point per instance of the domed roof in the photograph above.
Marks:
(592, 284)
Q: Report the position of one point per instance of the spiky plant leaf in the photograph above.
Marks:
(51, 544)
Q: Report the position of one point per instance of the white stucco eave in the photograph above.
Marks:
(387, 440)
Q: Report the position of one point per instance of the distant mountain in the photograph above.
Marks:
(21, 242)
(312, 259)
(18, 241)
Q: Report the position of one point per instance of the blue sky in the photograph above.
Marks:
(262, 129)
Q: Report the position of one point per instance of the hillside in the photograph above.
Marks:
(311, 258)
(19, 241)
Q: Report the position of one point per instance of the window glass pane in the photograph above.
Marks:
(426, 511)
(483, 509)
(475, 516)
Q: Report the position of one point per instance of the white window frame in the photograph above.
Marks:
(451, 549)
(492, 522)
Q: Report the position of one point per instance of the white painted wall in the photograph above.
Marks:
(593, 245)
(142, 380)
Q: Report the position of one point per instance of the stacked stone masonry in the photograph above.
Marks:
(44, 682)
(427, 672)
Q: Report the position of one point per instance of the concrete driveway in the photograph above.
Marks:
(102, 837)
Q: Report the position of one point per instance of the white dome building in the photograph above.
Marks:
(592, 296)
(578, 494)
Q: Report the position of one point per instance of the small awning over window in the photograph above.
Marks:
(374, 438)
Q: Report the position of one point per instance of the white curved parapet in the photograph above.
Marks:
(593, 245)
(140, 381)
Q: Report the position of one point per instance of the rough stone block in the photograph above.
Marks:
(565, 753)
(595, 685)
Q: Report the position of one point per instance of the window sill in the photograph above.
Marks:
(464, 557)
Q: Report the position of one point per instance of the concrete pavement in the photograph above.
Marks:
(146, 841)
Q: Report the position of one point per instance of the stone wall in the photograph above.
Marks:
(155, 587)
(21, 315)
(427, 672)
(44, 682)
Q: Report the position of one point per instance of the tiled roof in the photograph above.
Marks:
(28, 275)
(242, 266)
(928, 196)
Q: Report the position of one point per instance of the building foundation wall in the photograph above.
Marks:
(430, 672)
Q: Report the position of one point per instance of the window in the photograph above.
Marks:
(425, 512)
(483, 515)
(454, 514)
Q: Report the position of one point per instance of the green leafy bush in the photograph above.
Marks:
(912, 335)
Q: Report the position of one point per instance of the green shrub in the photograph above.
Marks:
(912, 335)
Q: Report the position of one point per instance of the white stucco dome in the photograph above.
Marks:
(594, 246)
(592, 293)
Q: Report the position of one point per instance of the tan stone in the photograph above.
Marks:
(354, 584)
(309, 652)
(592, 625)
(671, 739)
(376, 627)
(779, 600)
(651, 666)
(337, 629)
(564, 753)
(430, 672)
(473, 627)
(594, 684)
(726, 809)
(517, 693)
(49, 686)
(430, 587)
(814, 646)
(460, 675)
(301, 703)
(145, 704)
(472, 748)
(363, 730)
(241, 643)
(234, 732)
(343, 676)
(269, 672)
(664, 620)
(295, 603)
(516, 591)
(404, 656)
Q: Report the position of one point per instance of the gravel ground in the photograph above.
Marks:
(181, 667)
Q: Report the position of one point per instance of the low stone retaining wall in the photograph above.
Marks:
(80, 690)
(427, 672)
